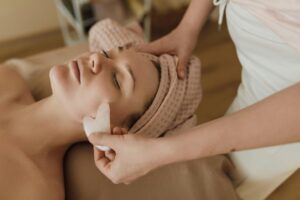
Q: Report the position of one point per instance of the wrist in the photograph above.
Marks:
(188, 30)
(162, 152)
(183, 146)
(169, 149)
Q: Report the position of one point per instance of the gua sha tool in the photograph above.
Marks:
(99, 124)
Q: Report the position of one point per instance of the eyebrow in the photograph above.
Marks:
(128, 68)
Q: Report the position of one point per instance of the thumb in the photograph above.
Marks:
(156, 47)
(181, 67)
(104, 139)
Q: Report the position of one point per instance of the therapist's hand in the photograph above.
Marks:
(181, 42)
(131, 156)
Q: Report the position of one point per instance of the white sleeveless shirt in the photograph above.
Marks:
(269, 65)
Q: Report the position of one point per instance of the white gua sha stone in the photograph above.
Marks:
(100, 124)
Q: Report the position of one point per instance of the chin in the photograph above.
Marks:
(62, 91)
(55, 77)
(58, 83)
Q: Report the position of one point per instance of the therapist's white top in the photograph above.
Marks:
(269, 64)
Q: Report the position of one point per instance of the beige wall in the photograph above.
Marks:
(21, 18)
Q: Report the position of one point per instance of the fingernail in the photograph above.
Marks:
(181, 74)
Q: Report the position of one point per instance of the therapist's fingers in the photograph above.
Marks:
(119, 131)
(124, 131)
(101, 161)
(110, 155)
(98, 154)
(104, 139)
(156, 47)
(116, 131)
(182, 64)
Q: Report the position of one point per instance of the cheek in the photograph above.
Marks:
(118, 113)
(97, 91)
(64, 90)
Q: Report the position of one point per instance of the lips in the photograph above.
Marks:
(75, 70)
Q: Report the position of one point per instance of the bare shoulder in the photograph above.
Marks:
(13, 87)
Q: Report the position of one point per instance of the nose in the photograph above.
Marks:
(95, 63)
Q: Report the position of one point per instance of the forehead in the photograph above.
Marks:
(145, 73)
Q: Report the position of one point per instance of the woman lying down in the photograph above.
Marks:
(145, 97)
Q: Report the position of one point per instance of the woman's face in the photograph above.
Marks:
(125, 79)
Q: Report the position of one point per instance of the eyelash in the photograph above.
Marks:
(114, 77)
(115, 80)
(105, 54)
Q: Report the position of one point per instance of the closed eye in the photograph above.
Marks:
(115, 81)
(114, 76)
(105, 54)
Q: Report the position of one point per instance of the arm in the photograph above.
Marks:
(183, 39)
(196, 16)
(272, 121)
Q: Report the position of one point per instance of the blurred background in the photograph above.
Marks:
(32, 26)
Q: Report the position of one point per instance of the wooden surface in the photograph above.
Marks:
(289, 190)
(31, 45)
(220, 72)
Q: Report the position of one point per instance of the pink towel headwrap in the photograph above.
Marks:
(176, 100)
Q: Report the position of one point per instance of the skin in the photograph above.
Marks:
(274, 120)
(114, 84)
(34, 136)
(185, 35)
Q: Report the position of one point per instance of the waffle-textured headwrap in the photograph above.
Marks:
(176, 100)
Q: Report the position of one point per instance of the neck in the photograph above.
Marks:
(45, 127)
